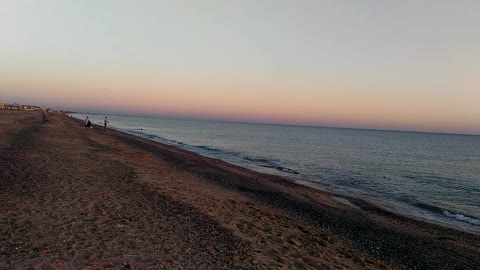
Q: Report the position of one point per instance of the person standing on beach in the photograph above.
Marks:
(44, 116)
(105, 122)
(88, 123)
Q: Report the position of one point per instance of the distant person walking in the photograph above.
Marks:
(44, 116)
(105, 122)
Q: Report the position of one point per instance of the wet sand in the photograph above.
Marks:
(78, 198)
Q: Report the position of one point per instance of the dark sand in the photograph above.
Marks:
(79, 198)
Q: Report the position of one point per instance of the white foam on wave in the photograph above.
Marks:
(462, 218)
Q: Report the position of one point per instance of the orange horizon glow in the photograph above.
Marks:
(318, 108)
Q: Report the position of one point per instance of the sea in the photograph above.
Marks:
(427, 176)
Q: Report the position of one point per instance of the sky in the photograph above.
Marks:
(403, 65)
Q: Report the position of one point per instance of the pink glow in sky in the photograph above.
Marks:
(408, 65)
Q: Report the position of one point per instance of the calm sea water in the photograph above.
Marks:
(434, 177)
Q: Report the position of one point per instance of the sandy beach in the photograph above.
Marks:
(78, 198)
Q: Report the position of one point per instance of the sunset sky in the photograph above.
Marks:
(408, 65)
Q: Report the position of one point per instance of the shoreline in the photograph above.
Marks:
(140, 195)
(453, 223)
(354, 200)
(437, 217)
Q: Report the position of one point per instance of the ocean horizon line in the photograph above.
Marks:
(176, 117)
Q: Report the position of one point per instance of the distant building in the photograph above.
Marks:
(16, 106)
(13, 106)
(30, 108)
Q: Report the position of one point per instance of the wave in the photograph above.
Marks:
(261, 162)
(429, 208)
(142, 134)
(208, 148)
(195, 148)
(267, 163)
(462, 218)
(280, 168)
(215, 152)
(449, 214)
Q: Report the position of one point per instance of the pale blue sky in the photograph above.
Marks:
(380, 64)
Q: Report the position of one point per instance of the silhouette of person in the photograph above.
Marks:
(105, 122)
(88, 123)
